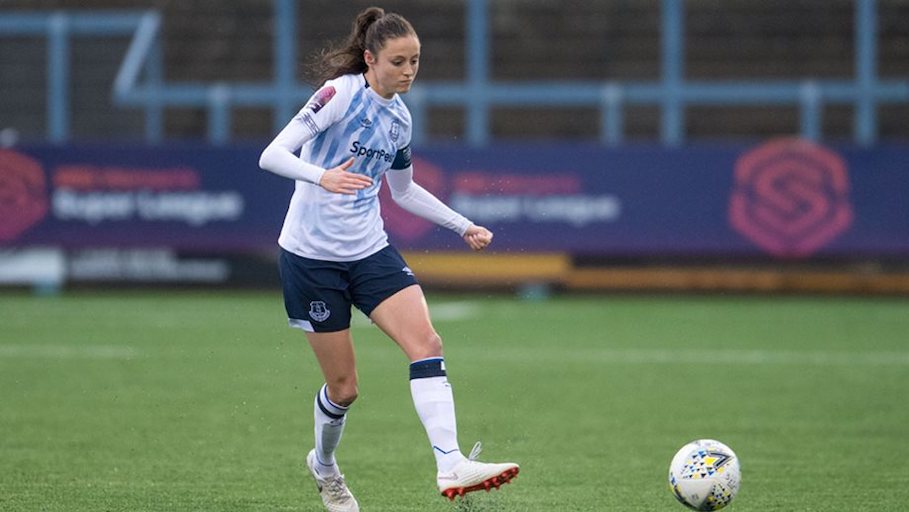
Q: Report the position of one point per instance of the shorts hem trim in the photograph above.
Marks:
(306, 325)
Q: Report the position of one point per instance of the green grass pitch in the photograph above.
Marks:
(202, 401)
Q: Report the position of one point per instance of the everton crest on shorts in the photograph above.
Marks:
(318, 294)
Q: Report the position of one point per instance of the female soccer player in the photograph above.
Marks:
(354, 131)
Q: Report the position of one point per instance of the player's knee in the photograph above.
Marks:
(348, 398)
(343, 392)
(431, 346)
(435, 344)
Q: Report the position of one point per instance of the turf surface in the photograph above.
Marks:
(202, 401)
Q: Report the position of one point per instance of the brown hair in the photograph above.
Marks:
(370, 30)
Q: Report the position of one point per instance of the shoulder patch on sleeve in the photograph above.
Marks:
(320, 99)
(316, 102)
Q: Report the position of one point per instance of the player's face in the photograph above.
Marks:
(394, 68)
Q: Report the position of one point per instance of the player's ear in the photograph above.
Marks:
(369, 58)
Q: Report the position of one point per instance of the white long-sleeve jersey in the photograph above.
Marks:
(343, 119)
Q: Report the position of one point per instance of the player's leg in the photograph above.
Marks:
(335, 353)
(385, 289)
(404, 316)
(316, 303)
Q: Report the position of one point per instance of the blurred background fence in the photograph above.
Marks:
(611, 144)
(643, 70)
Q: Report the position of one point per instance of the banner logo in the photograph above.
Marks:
(23, 194)
(791, 197)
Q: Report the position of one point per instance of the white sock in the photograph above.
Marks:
(434, 402)
(329, 425)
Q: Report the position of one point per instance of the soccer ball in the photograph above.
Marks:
(704, 475)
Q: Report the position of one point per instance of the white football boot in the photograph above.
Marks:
(335, 494)
(470, 475)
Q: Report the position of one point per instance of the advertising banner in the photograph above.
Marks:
(786, 198)
(181, 197)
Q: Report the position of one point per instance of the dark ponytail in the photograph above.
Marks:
(370, 30)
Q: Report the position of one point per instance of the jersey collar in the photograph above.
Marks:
(373, 94)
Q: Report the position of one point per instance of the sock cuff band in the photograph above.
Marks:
(331, 409)
(425, 368)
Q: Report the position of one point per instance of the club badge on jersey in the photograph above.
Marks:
(394, 132)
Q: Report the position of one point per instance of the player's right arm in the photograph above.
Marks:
(280, 156)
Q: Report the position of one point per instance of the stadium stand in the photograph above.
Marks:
(208, 41)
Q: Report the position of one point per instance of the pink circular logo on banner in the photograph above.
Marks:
(403, 224)
(791, 197)
(23, 196)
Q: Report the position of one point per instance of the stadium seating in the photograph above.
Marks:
(209, 41)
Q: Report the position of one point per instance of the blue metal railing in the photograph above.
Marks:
(477, 93)
(59, 28)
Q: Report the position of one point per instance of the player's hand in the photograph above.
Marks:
(341, 181)
(477, 237)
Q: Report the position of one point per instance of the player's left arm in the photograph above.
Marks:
(419, 201)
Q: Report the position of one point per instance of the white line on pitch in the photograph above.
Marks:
(68, 351)
(725, 356)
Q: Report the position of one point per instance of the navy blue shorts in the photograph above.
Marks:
(318, 294)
